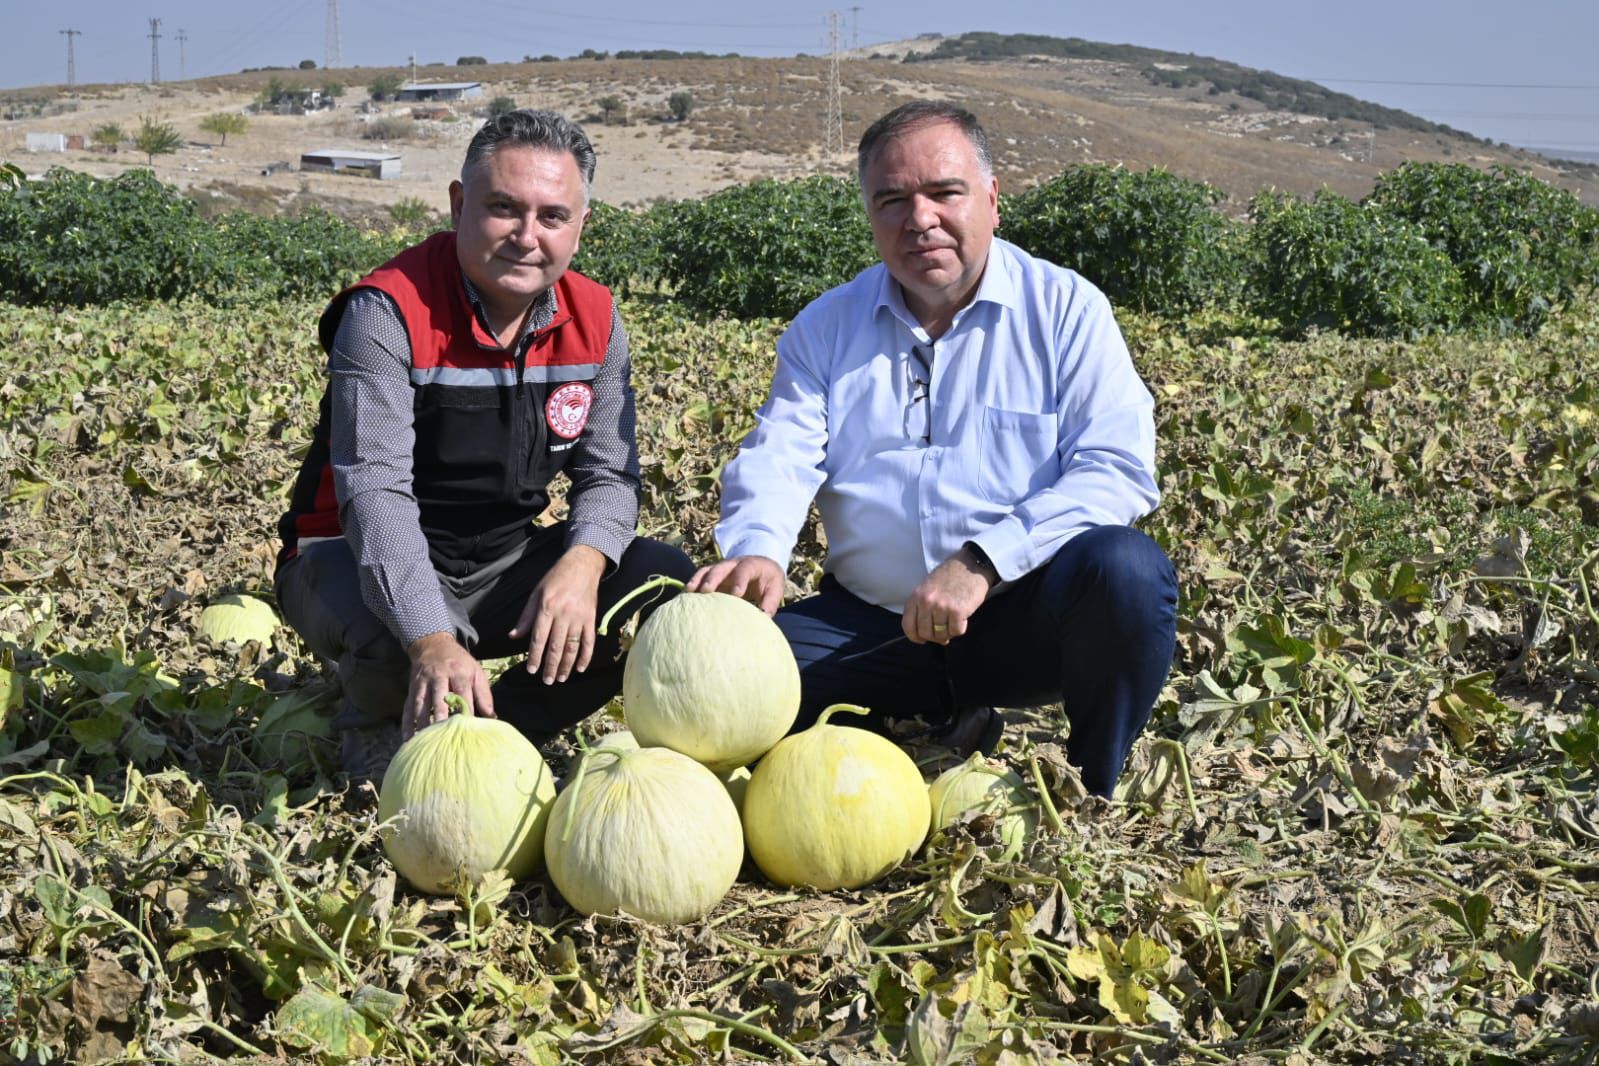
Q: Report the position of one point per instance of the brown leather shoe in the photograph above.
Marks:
(978, 729)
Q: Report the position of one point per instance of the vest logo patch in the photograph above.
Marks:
(567, 410)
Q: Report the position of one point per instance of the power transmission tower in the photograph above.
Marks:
(155, 52)
(183, 62)
(835, 110)
(334, 56)
(72, 66)
(855, 26)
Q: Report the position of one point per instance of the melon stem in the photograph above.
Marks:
(652, 583)
(851, 708)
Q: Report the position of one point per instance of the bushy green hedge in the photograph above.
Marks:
(1522, 246)
(313, 254)
(1151, 240)
(620, 248)
(72, 240)
(1330, 263)
(767, 248)
(1434, 247)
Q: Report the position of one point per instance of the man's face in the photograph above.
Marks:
(933, 215)
(518, 217)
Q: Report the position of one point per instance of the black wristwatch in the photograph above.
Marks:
(983, 560)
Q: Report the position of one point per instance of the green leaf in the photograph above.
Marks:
(316, 1020)
(1525, 953)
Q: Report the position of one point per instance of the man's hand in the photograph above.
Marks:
(750, 577)
(559, 617)
(945, 601)
(441, 667)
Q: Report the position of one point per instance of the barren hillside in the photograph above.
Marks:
(751, 118)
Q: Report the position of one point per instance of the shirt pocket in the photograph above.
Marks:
(1017, 455)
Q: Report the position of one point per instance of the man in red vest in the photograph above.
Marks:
(466, 373)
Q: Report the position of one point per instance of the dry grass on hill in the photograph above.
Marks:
(754, 118)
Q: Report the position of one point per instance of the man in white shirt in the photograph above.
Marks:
(970, 425)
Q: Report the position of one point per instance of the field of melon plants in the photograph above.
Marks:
(1363, 826)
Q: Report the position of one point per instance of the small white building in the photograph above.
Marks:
(371, 164)
(439, 90)
(47, 142)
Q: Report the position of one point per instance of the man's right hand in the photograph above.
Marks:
(440, 666)
(750, 577)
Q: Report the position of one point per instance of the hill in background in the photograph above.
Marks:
(1047, 102)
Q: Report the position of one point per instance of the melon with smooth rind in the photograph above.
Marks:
(711, 676)
(474, 795)
(834, 807)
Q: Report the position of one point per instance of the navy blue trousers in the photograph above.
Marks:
(1093, 629)
(319, 592)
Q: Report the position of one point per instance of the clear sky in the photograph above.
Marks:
(1526, 73)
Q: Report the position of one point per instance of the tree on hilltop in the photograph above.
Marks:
(156, 138)
(224, 123)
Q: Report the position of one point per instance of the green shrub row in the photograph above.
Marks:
(1434, 247)
(71, 239)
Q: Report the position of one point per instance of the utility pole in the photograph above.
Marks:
(334, 56)
(155, 52)
(835, 110)
(413, 68)
(183, 62)
(72, 66)
(855, 26)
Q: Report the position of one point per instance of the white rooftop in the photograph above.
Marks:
(347, 153)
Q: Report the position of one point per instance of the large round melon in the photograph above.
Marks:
(645, 831)
(834, 807)
(475, 795)
(711, 676)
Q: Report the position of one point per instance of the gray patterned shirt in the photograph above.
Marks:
(372, 438)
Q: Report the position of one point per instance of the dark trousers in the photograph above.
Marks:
(319, 594)
(1094, 629)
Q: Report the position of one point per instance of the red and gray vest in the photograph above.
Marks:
(493, 426)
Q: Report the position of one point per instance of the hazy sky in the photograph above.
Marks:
(1526, 73)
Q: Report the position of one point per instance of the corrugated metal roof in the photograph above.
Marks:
(345, 153)
(442, 85)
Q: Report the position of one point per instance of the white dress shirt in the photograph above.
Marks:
(1031, 427)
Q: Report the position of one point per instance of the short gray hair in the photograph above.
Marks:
(907, 117)
(533, 129)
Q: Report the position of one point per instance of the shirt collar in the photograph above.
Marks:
(999, 285)
(544, 308)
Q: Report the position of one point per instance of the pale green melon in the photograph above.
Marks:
(474, 794)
